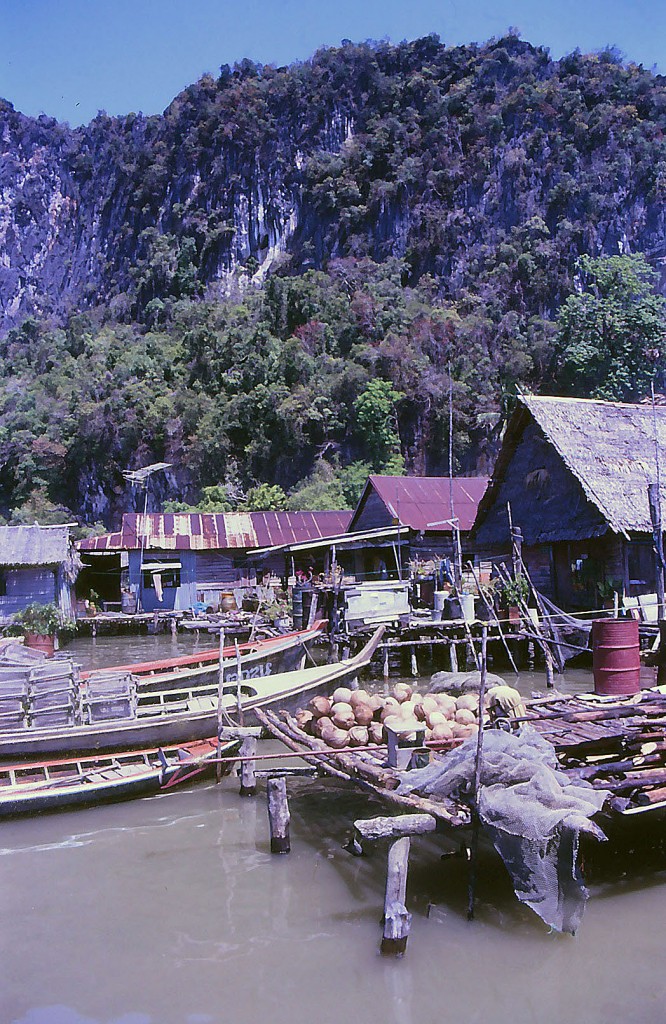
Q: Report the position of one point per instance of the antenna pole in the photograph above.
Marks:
(654, 501)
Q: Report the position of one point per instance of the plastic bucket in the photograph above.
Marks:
(467, 606)
(616, 660)
(438, 602)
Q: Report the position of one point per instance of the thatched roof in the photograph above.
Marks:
(609, 447)
(33, 545)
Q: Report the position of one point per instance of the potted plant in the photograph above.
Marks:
(515, 591)
(40, 624)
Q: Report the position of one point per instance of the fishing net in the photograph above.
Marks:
(532, 813)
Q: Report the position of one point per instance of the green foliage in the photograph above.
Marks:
(612, 336)
(42, 619)
(377, 422)
(515, 590)
(490, 169)
(265, 498)
(319, 492)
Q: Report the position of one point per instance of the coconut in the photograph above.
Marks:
(343, 715)
(468, 702)
(402, 692)
(465, 717)
(461, 732)
(429, 704)
(334, 737)
(363, 714)
(442, 731)
(320, 706)
(376, 702)
(319, 724)
(305, 720)
(358, 736)
(435, 718)
(342, 695)
(447, 705)
(419, 712)
(391, 707)
(376, 732)
(359, 697)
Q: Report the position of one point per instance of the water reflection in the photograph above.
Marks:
(173, 911)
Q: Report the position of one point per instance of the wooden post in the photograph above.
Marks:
(454, 656)
(248, 783)
(414, 664)
(386, 662)
(220, 693)
(654, 500)
(397, 919)
(278, 814)
(239, 681)
(477, 776)
(517, 550)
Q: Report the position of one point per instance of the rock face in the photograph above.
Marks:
(438, 156)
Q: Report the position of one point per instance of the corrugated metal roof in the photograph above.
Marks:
(204, 531)
(424, 502)
(33, 545)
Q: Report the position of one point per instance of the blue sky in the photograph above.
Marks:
(71, 58)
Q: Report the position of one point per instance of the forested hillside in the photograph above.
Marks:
(282, 278)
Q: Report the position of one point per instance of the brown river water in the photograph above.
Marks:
(171, 910)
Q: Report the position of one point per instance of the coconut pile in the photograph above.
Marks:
(356, 718)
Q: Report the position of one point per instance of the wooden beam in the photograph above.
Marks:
(395, 827)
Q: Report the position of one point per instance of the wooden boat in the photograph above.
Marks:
(65, 783)
(178, 716)
(258, 658)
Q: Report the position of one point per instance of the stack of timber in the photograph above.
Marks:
(616, 744)
(366, 766)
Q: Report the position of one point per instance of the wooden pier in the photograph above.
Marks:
(615, 745)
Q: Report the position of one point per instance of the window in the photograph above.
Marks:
(170, 578)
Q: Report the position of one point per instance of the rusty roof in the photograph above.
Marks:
(424, 502)
(207, 531)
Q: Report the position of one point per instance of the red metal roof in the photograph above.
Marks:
(424, 502)
(206, 531)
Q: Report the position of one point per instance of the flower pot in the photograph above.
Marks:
(41, 642)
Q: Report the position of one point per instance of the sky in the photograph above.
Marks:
(71, 58)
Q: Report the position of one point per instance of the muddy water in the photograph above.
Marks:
(171, 910)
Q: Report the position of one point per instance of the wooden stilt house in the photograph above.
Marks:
(575, 474)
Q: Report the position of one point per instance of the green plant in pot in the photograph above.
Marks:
(40, 624)
(515, 591)
(40, 619)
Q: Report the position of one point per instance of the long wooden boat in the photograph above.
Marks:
(258, 658)
(65, 783)
(182, 715)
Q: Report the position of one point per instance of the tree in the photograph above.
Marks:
(612, 336)
(376, 422)
(265, 498)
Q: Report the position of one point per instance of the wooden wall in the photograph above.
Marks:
(25, 585)
(547, 501)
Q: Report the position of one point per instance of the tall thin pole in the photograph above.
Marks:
(477, 777)
(220, 698)
(455, 526)
(654, 500)
(144, 531)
